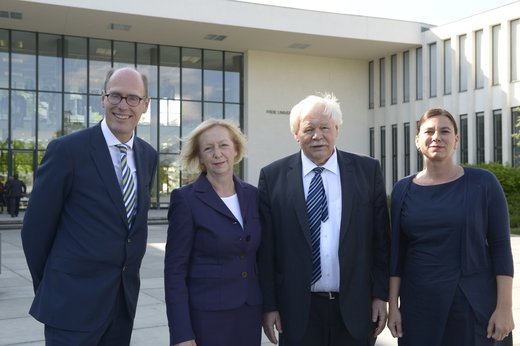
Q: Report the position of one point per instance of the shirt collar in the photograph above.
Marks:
(331, 164)
(111, 139)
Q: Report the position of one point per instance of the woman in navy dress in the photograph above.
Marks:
(211, 285)
(451, 260)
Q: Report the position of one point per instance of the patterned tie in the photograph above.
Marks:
(127, 185)
(317, 211)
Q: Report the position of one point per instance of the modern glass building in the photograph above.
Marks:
(251, 63)
(51, 86)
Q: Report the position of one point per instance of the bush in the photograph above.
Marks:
(509, 178)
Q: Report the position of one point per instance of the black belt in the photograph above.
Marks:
(327, 295)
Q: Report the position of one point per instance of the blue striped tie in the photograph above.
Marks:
(317, 211)
(127, 185)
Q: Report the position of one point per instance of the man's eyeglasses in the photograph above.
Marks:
(131, 100)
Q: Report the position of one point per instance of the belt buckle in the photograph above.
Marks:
(331, 295)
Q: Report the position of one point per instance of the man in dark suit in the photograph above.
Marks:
(324, 278)
(85, 229)
(14, 189)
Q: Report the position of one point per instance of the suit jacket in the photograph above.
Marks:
(210, 261)
(75, 234)
(285, 258)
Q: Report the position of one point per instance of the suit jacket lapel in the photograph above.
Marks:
(207, 194)
(142, 184)
(348, 191)
(297, 194)
(105, 168)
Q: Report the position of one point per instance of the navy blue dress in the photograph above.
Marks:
(432, 220)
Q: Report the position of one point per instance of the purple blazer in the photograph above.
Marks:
(210, 261)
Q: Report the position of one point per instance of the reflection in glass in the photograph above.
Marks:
(49, 62)
(233, 70)
(191, 74)
(74, 113)
(23, 166)
(124, 54)
(147, 126)
(213, 110)
(23, 60)
(191, 116)
(100, 53)
(4, 59)
(4, 118)
(213, 76)
(169, 176)
(3, 166)
(75, 64)
(49, 118)
(169, 72)
(169, 126)
(147, 64)
(23, 110)
(96, 110)
(232, 111)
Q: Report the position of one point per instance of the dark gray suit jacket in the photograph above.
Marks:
(75, 234)
(285, 251)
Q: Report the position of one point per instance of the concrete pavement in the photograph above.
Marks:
(151, 328)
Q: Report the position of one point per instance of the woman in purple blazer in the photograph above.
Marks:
(211, 284)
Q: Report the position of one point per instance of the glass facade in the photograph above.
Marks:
(51, 86)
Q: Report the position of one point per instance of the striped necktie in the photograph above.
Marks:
(127, 185)
(317, 211)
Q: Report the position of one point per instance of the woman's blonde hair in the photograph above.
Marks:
(189, 157)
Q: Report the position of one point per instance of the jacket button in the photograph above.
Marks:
(244, 275)
(124, 268)
(129, 240)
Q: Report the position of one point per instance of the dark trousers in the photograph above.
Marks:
(326, 327)
(13, 206)
(115, 332)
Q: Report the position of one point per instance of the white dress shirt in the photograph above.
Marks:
(329, 231)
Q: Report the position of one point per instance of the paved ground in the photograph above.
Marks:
(20, 329)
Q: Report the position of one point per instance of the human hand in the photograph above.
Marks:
(394, 322)
(379, 315)
(272, 319)
(500, 324)
(186, 343)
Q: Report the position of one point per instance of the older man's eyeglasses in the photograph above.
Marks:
(131, 100)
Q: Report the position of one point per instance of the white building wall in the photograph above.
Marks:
(274, 83)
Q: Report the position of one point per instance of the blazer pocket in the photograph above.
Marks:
(205, 271)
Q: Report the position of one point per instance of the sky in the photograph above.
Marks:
(437, 12)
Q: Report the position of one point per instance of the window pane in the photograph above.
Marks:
(4, 118)
(124, 54)
(496, 54)
(463, 64)
(4, 59)
(23, 60)
(370, 84)
(480, 138)
(74, 112)
(419, 74)
(515, 50)
(49, 62)
(382, 82)
(233, 70)
(191, 74)
(447, 67)
(213, 76)
(96, 110)
(232, 112)
(169, 126)
(406, 76)
(49, 118)
(169, 71)
(515, 129)
(497, 135)
(100, 54)
(23, 110)
(393, 79)
(479, 68)
(147, 63)
(75, 64)
(433, 70)
(191, 117)
(3, 165)
(147, 126)
(169, 177)
(463, 139)
(213, 110)
(23, 166)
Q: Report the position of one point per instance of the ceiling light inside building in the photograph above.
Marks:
(215, 37)
(299, 45)
(120, 27)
